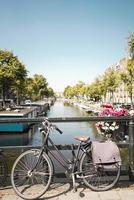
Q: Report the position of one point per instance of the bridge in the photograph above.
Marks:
(128, 144)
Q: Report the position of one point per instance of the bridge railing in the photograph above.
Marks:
(129, 144)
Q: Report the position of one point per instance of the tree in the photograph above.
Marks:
(50, 92)
(128, 75)
(103, 88)
(39, 87)
(128, 78)
(19, 81)
(110, 81)
(94, 90)
(12, 74)
(79, 89)
(36, 88)
(28, 89)
(69, 92)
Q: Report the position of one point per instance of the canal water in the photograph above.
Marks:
(70, 130)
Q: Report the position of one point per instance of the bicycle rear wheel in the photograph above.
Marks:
(101, 177)
(3, 170)
(28, 181)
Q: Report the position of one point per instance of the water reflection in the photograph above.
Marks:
(11, 139)
(71, 129)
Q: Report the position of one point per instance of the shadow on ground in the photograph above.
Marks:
(61, 187)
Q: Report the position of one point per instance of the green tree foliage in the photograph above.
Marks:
(127, 76)
(50, 92)
(12, 74)
(14, 81)
(103, 88)
(36, 88)
(110, 81)
(19, 82)
(28, 89)
(69, 92)
(79, 89)
(94, 90)
(39, 87)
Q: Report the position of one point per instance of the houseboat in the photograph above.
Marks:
(20, 112)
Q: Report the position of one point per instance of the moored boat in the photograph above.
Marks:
(19, 112)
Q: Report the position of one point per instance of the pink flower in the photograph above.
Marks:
(114, 112)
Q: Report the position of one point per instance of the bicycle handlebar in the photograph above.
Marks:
(57, 129)
(47, 127)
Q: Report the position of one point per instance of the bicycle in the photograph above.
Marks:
(33, 170)
(3, 169)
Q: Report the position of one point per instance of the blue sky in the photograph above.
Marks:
(66, 40)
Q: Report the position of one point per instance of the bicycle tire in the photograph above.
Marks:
(3, 170)
(101, 177)
(33, 185)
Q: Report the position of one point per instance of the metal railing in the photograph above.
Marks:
(128, 119)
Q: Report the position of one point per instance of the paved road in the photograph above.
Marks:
(63, 191)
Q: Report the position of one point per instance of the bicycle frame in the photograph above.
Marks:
(60, 157)
(39, 168)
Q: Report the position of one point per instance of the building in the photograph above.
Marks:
(120, 95)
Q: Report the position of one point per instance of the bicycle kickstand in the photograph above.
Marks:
(74, 183)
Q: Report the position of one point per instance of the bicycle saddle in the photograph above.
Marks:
(82, 138)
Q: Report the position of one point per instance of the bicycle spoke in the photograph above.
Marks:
(22, 165)
(18, 181)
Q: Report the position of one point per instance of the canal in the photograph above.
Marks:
(70, 130)
(33, 136)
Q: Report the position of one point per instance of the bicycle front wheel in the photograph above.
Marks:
(31, 175)
(101, 177)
